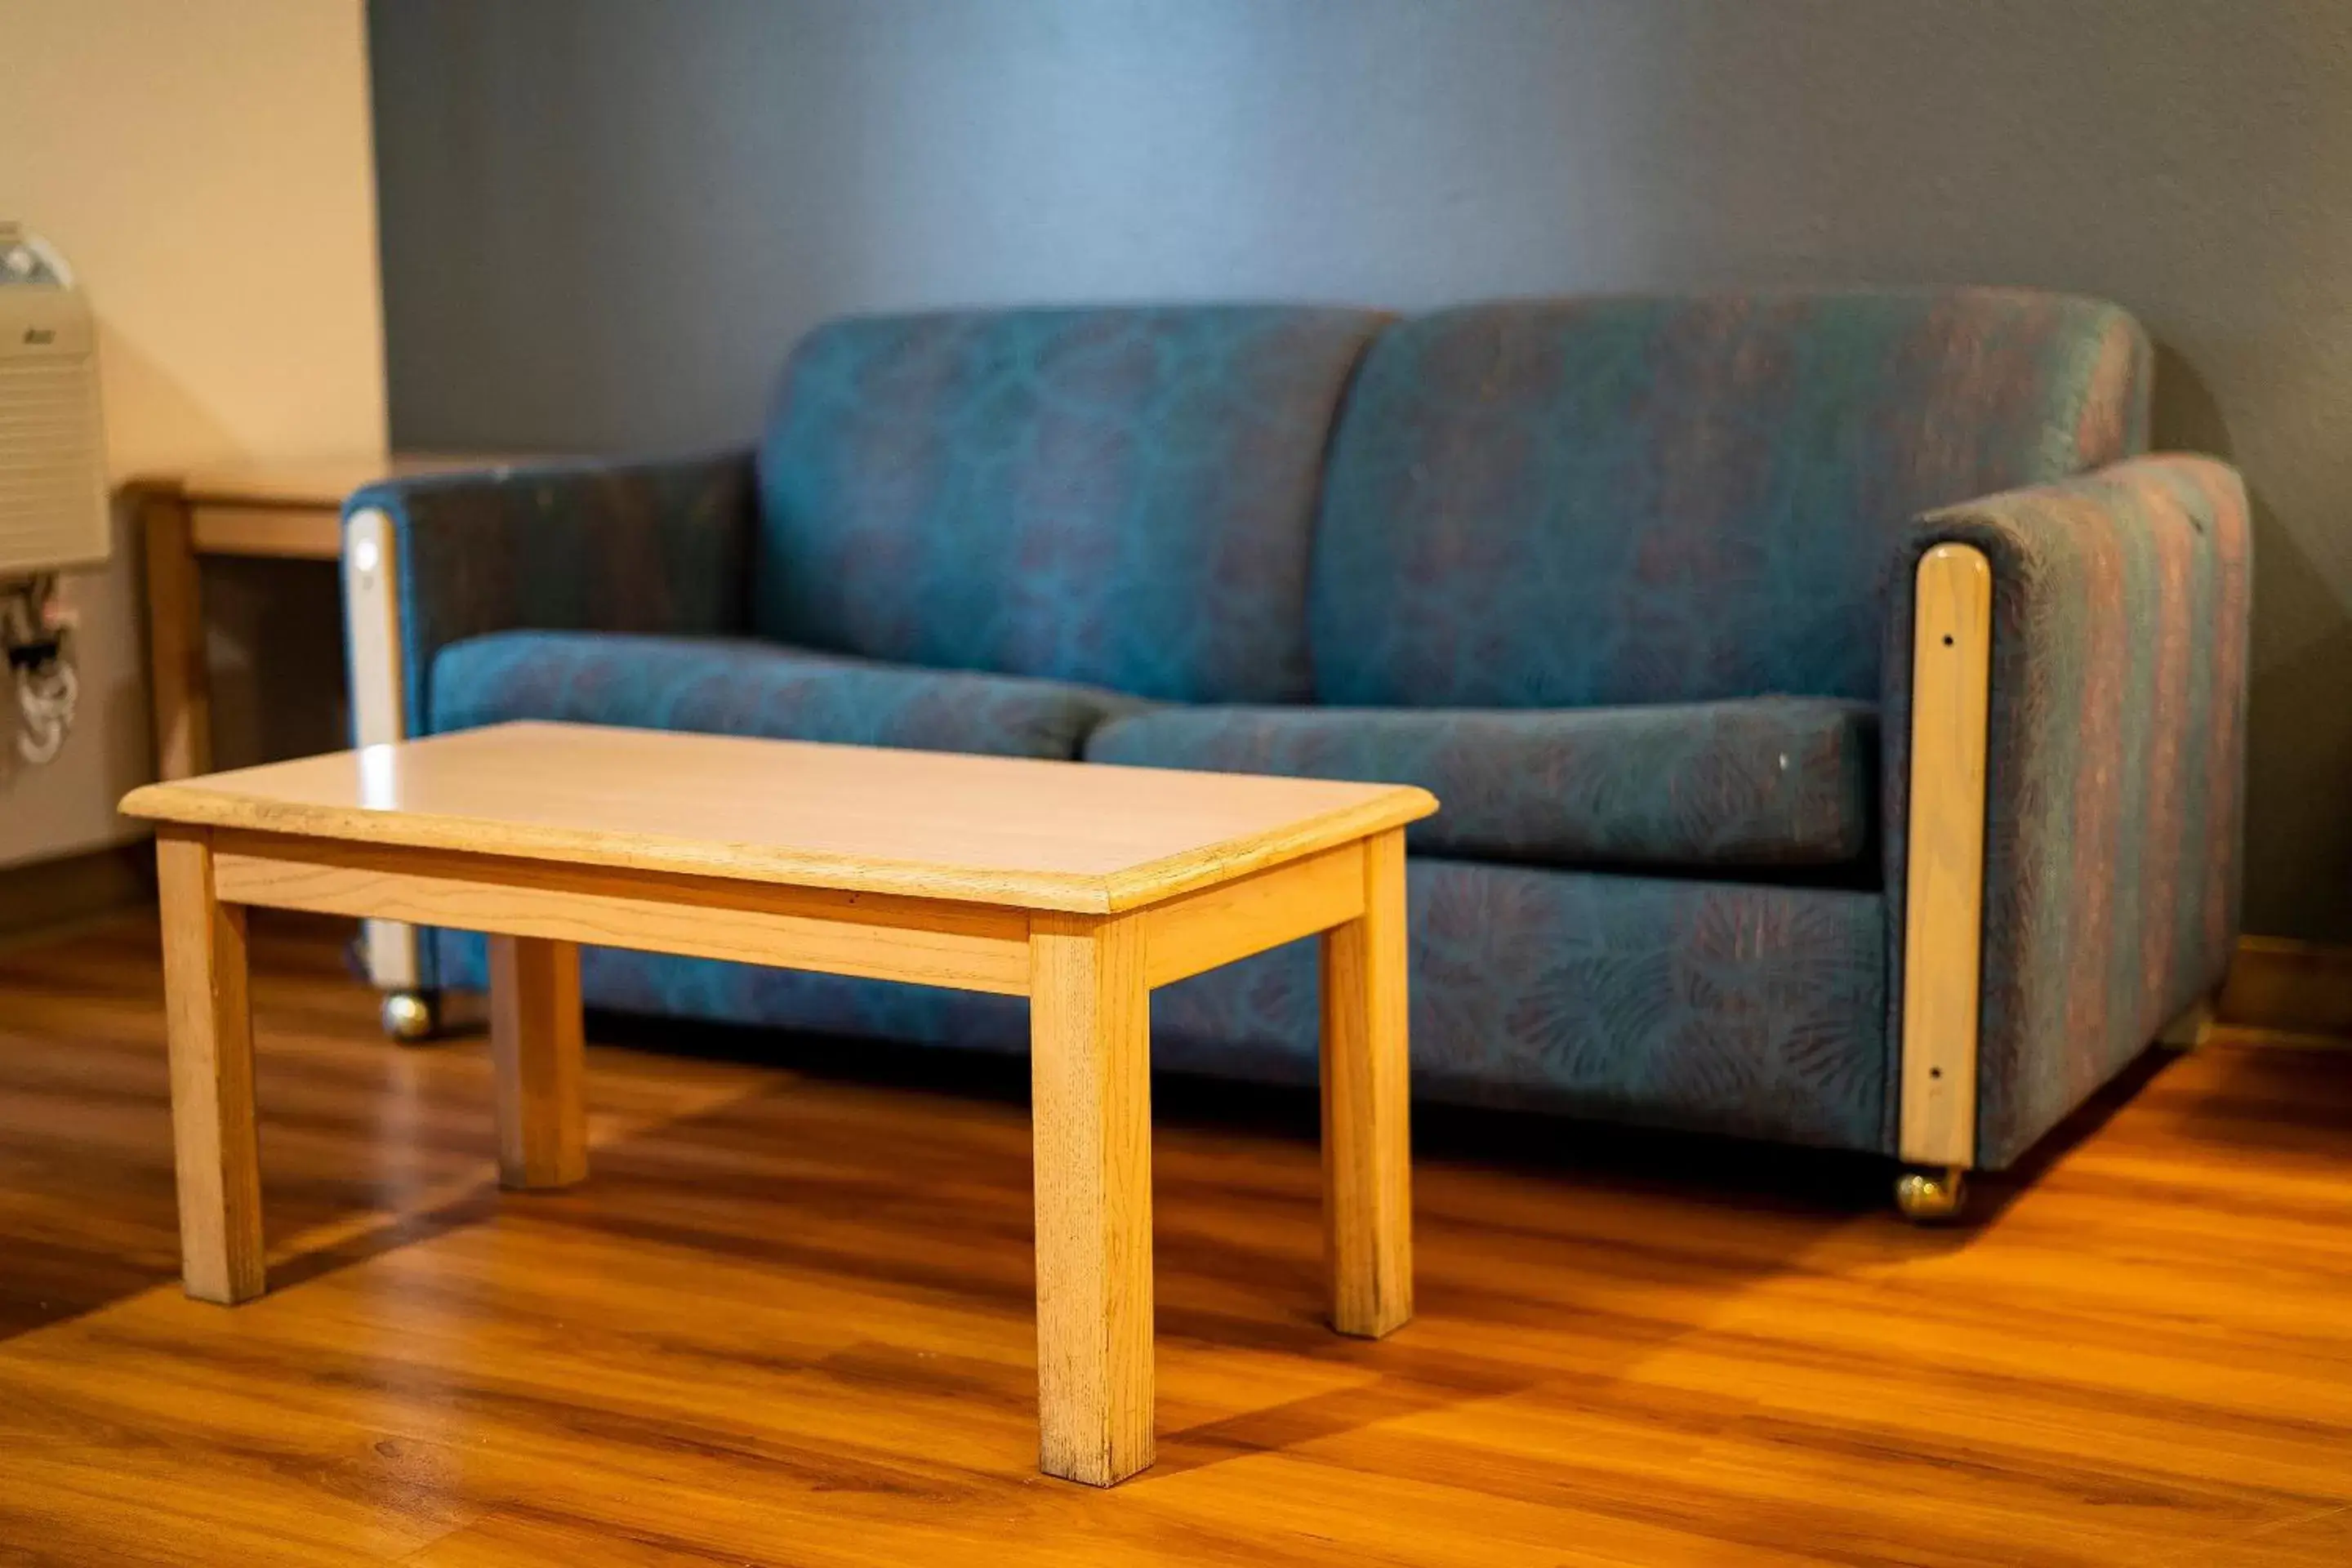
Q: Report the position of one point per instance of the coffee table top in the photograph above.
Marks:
(1089, 838)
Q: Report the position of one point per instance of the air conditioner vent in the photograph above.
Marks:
(52, 506)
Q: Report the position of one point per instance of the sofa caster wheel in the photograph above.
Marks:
(411, 1017)
(1932, 1194)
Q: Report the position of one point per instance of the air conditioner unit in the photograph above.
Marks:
(52, 505)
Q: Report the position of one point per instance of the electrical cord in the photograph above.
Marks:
(47, 696)
(34, 628)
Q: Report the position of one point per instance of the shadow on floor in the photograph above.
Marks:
(87, 1213)
(1737, 1169)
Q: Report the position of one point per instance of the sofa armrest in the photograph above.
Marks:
(661, 546)
(2113, 763)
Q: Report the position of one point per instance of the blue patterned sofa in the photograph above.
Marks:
(1628, 583)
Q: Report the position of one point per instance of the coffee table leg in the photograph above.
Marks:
(1367, 1140)
(210, 1026)
(1090, 1051)
(537, 1053)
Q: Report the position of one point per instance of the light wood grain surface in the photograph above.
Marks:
(1090, 1099)
(213, 1138)
(1216, 925)
(292, 533)
(1080, 838)
(1366, 1086)
(537, 1051)
(788, 1324)
(873, 936)
(325, 481)
(179, 681)
(1943, 895)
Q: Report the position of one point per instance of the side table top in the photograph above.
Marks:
(320, 481)
(1087, 838)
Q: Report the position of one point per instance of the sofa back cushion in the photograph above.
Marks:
(1707, 787)
(1124, 497)
(1616, 500)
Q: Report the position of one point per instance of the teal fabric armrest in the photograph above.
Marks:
(660, 547)
(2115, 768)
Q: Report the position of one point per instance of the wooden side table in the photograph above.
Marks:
(291, 509)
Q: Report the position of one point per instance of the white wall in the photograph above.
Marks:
(206, 168)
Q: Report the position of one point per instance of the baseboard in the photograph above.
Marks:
(2289, 986)
(43, 895)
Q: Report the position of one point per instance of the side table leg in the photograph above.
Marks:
(1367, 1137)
(1090, 1071)
(537, 1054)
(210, 1024)
(175, 637)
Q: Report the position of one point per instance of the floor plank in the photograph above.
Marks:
(787, 1320)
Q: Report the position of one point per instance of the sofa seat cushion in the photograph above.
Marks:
(1744, 1009)
(1767, 781)
(739, 687)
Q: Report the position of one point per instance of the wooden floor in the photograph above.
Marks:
(788, 1321)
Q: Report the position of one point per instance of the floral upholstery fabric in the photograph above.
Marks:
(1751, 1010)
(608, 547)
(1118, 497)
(1768, 782)
(2115, 771)
(741, 687)
(1574, 502)
(1652, 512)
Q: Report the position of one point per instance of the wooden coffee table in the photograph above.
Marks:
(1081, 887)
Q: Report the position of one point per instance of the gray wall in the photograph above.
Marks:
(605, 220)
